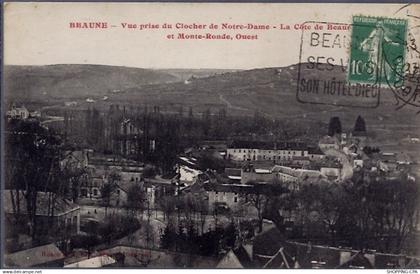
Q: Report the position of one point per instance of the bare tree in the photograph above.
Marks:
(33, 152)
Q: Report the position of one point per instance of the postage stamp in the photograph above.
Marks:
(377, 50)
(346, 64)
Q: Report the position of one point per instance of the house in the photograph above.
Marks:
(328, 142)
(75, 159)
(265, 151)
(38, 257)
(57, 216)
(359, 137)
(289, 254)
(95, 262)
(357, 163)
(18, 113)
(91, 188)
(332, 172)
(128, 169)
(120, 194)
(315, 153)
(251, 174)
(100, 167)
(388, 161)
(228, 195)
(287, 176)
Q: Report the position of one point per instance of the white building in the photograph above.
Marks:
(18, 113)
(265, 151)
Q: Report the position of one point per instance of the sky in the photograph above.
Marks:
(39, 33)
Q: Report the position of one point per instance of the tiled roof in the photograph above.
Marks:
(236, 188)
(236, 258)
(34, 256)
(95, 262)
(280, 260)
(141, 257)
(268, 243)
(357, 260)
(298, 173)
(43, 203)
(315, 151)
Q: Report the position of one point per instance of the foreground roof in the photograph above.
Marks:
(95, 262)
(39, 255)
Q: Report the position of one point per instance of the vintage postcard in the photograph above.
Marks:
(211, 135)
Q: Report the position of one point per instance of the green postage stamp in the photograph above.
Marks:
(377, 51)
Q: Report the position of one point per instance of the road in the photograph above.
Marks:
(51, 119)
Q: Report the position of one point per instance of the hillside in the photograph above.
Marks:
(271, 91)
(75, 81)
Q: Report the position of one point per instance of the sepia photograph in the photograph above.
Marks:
(210, 136)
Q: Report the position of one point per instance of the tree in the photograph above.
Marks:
(32, 155)
(262, 195)
(206, 122)
(87, 242)
(334, 126)
(107, 190)
(168, 237)
(149, 172)
(136, 199)
(73, 174)
(168, 206)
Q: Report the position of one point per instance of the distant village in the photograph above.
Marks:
(134, 187)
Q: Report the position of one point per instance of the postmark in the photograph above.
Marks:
(349, 64)
(324, 65)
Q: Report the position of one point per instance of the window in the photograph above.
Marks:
(95, 192)
(235, 200)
